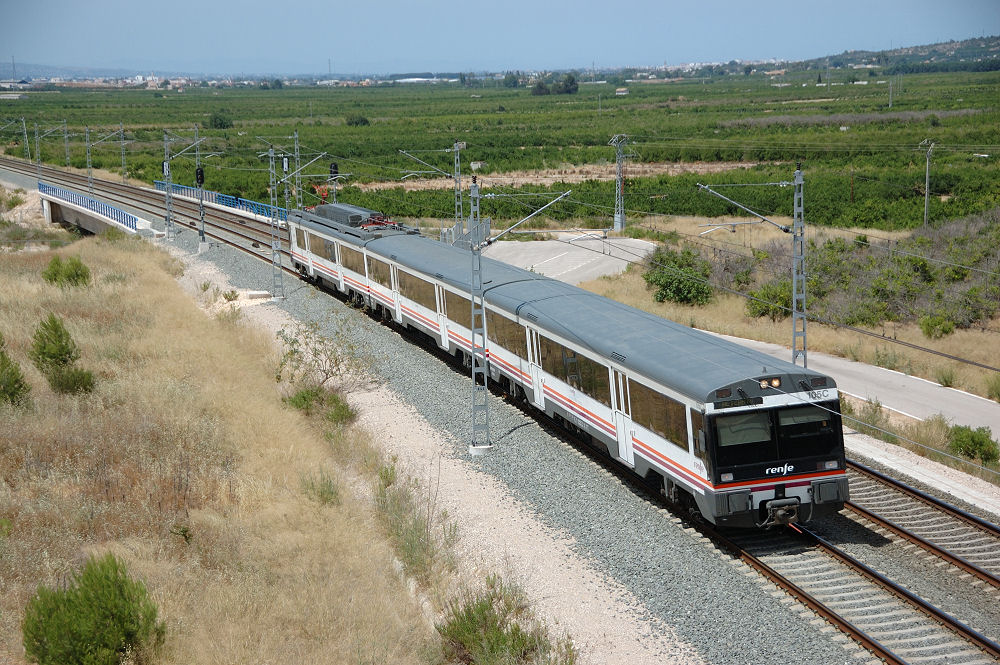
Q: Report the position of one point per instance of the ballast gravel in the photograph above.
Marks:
(718, 607)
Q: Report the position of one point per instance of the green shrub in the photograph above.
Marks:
(339, 411)
(993, 387)
(936, 326)
(13, 388)
(356, 121)
(974, 443)
(773, 300)
(52, 346)
(71, 273)
(496, 627)
(945, 376)
(306, 399)
(679, 277)
(70, 380)
(100, 618)
(230, 296)
(322, 488)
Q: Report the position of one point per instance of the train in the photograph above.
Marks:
(735, 436)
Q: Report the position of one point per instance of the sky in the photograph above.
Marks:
(397, 36)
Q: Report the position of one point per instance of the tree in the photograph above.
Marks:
(219, 120)
(510, 80)
(747, 70)
(540, 88)
(101, 618)
(277, 84)
(679, 276)
(568, 86)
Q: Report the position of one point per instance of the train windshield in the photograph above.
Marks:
(772, 435)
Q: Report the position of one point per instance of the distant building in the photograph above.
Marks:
(621, 92)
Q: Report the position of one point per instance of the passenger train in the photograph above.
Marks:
(741, 438)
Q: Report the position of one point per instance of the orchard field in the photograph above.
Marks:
(862, 160)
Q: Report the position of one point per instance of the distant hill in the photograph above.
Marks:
(982, 53)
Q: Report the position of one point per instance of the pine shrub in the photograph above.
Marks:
(13, 388)
(52, 347)
(974, 443)
(72, 272)
(103, 617)
(70, 380)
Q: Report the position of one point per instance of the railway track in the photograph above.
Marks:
(879, 614)
(966, 541)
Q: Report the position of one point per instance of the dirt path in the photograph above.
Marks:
(567, 174)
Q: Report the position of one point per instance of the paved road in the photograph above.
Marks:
(906, 394)
(574, 258)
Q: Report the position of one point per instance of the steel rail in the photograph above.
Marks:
(807, 599)
(902, 532)
(945, 619)
(913, 492)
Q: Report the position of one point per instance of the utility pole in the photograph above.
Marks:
(277, 283)
(24, 130)
(459, 212)
(619, 141)
(798, 255)
(927, 177)
(480, 442)
(456, 175)
(199, 179)
(90, 173)
(121, 131)
(168, 221)
(298, 175)
(66, 141)
(798, 272)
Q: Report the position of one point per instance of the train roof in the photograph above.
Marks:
(693, 362)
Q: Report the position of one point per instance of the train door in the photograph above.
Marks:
(623, 418)
(442, 318)
(535, 369)
(397, 314)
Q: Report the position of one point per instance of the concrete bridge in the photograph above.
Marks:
(66, 206)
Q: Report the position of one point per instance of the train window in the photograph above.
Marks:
(300, 239)
(327, 248)
(416, 289)
(659, 413)
(742, 428)
(352, 259)
(807, 431)
(380, 272)
(698, 425)
(508, 334)
(577, 370)
(458, 308)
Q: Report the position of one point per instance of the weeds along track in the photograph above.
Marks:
(968, 542)
(889, 621)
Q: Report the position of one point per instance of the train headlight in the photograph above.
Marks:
(763, 384)
(828, 466)
(776, 382)
(726, 477)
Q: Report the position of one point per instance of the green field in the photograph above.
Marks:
(870, 174)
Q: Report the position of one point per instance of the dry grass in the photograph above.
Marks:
(726, 314)
(185, 463)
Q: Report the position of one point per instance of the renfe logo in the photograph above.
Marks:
(783, 470)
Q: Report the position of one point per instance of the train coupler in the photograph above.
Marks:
(781, 512)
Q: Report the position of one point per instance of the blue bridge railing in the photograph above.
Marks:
(246, 205)
(126, 219)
